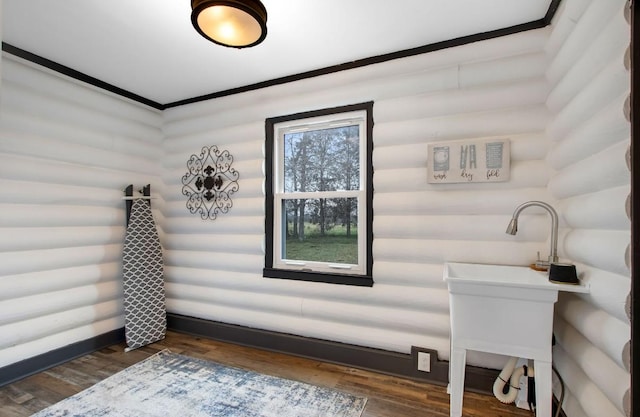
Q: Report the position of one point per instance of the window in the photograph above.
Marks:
(319, 195)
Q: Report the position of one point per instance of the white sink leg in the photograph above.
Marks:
(456, 380)
(542, 377)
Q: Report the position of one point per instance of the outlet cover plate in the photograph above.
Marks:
(424, 362)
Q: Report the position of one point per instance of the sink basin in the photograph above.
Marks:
(503, 276)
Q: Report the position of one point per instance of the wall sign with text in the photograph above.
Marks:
(468, 161)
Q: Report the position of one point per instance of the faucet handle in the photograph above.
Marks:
(540, 264)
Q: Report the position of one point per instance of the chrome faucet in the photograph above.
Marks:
(512, 229)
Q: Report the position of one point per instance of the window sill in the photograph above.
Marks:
(343, 279)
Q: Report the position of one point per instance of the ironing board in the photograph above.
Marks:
(144, 297)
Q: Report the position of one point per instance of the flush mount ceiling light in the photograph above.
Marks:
(233, 23)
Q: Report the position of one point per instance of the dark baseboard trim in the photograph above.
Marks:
(387, 362)
(27, 367)
(392, 363)
(477, 379)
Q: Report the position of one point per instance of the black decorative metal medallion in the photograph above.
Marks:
(209, 182)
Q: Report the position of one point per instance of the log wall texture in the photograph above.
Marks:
(559, 94)
(67, 151)
(490, 89)
(590, 139)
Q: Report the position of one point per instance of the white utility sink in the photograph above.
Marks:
(502, 278)
(506, 310)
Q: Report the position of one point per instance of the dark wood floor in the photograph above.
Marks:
(387, 396)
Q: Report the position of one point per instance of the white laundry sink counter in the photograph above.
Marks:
(504, 276)
(506, 310)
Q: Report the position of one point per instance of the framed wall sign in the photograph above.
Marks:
(486, 160)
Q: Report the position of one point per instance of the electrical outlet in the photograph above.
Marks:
(424, 362)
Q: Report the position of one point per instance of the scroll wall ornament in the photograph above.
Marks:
(209, 182)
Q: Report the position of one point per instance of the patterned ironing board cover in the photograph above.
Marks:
(144, 297)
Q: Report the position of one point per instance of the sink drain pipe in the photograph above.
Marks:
(510, 375)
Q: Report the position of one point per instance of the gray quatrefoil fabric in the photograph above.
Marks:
(145, 315)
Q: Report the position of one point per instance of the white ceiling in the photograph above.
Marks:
(149, 47)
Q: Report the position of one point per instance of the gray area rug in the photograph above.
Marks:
(168, 384)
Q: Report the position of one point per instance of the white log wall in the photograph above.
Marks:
(490, 89)
(559, 94)
(66, 153)
(591, 182)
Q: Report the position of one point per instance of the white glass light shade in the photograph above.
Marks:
(236, 24)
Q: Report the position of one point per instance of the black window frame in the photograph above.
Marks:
(364, 280)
